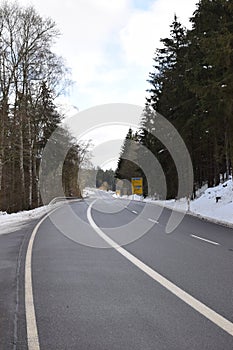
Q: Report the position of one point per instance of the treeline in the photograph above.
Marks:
(95, 177)
(191, 85)
(31, 76)
(105, 179)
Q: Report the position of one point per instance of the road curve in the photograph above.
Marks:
(87, 295)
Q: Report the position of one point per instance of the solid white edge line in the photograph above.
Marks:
(205, 240)
(204, 310)
(32, 331)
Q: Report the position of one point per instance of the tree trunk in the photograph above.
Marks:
(227, 156)
(1, 154)
(30, 164)
(21, 163)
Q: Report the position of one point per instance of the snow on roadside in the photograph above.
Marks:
(204, 206)
(222, 210)
(87, 192)
(13, 222)
(133, 197)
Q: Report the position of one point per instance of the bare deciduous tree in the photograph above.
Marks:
(31, 76)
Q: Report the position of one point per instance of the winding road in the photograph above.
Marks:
(103, 274)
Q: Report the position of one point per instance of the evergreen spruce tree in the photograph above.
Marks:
(210, 79)
(191, 86)
(168, 96)
(128, 162)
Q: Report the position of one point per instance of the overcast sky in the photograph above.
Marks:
(109, 44)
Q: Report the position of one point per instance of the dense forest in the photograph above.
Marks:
(191, 85)
(95, 177)
(31, 77)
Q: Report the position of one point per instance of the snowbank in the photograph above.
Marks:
(87, 192)
(222, 210)
(13, 222)
(204, 206)
(133, 197)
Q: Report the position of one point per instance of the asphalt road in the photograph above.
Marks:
(87, 295)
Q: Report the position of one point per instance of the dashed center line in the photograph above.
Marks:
(205, 240)
(152, 220)
(197, 305)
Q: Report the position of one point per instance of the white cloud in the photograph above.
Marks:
(109, 45)
(141, 36)
(87, 27)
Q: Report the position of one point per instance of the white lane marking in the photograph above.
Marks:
(134, 211)
(155, 221)
(205, 240)
(32, 331)
(204, 310)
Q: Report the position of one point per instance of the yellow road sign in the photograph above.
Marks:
(137, 185)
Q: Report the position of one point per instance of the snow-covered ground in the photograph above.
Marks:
(13, 222)
(204, 206)
(87, 192)
(207, 206)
